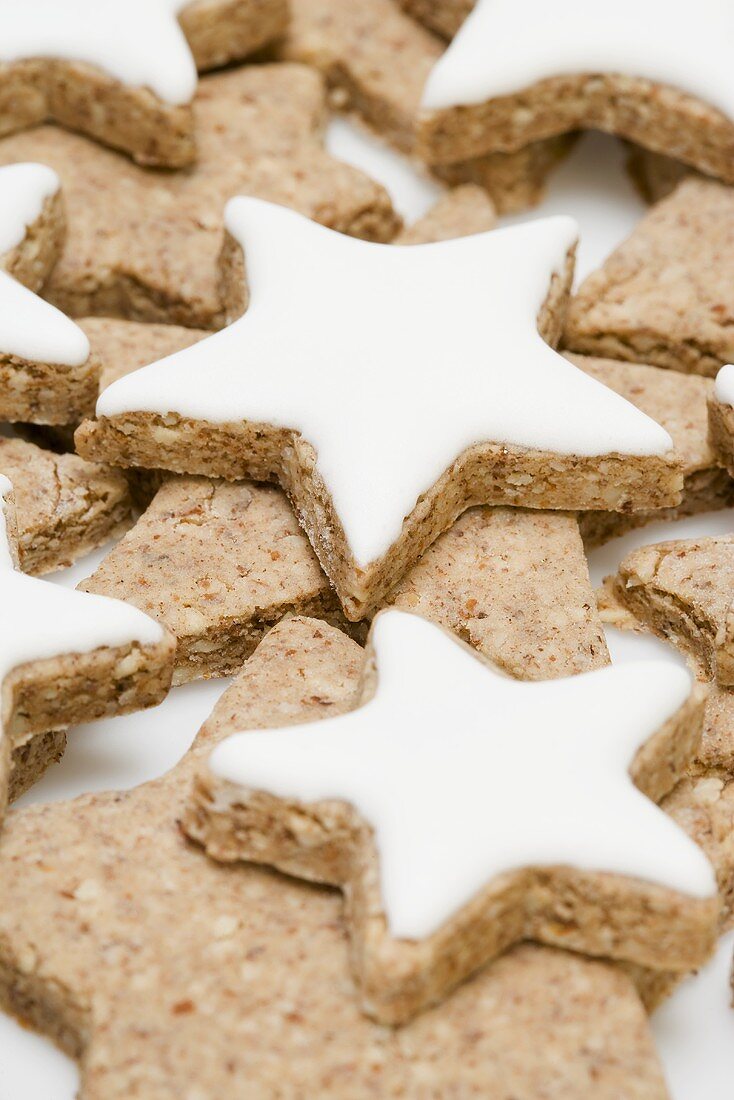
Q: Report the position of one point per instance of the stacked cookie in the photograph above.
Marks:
(430, 842)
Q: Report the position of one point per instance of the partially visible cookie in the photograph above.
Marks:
(474, 435)
(65, 505)
(66, 657)
(124, 74)
(144, 243)
(513, 76)
(47, 374)
(376, 60)
(704, 807)
(663, 297)
(30, 758)
(680, 405)
(459, 213)
(227, 975)
(654, 175)
(681, 591)
(442, 16)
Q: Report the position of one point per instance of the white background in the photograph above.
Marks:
(695, 1028)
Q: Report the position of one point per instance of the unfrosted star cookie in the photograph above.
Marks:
(376, 61)
(682, 591)
(65, 506)
(663, 296)
(46, 372)
(519, 73)
(375, 482)
(165, 973)
(66, 657)
(144, 243)
(680, 405)
(442, 865)
(124, 73)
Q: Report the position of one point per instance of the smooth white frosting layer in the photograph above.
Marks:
(139, 42)
(391, 361)
(465, 774)
(29, 327)
(724, 385)
(505, 46)
(40, 620)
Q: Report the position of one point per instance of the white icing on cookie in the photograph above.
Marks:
(505, 46)
(40, 620)
(29, 327)
(724, 385)
(139, 42)
(464, 774)
(391, 361)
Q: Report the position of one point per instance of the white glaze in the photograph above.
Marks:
(40, 620)
(724, 385)
(391, 361)
(464, 774)
(505, 46)
(29, 327)
(139, 42)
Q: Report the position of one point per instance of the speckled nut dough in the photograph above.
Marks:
(486, 473)
(442, 16)
(662, 118)
(144, 243)
(30, 758)
(84, 97)
(663, 297)
(681, 591)
(376, 61)
(43, 393)
(704, 807)
(721, 432)
(680, 405)
(515, 585)
(168, 975)
(65, 506)
(328, 841)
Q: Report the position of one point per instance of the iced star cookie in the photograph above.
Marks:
(46, 372)
(520, 73)
(124, 73)
(229, 975)
(474, 436)
(376, 60)
(66, 657)
(425, 905)
(663, 296)
(144, 243)
(721, 417)
(680, 405)
(65, 506)
(681, 591)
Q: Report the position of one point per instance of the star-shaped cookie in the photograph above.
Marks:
(67, 657)
(405, 385)
(46, 373)
(169, 975)
(516, 73)
(408, 803)
(143, 243)
(123, 72)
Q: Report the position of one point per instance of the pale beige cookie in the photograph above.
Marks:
(144, 243)
(704, 807)
(682, 592)
(663, 296)
(153, 127)
(515, 585)
(222, 976)
(442, 16)
(65, 506)
(680, 405)
(376, 59)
